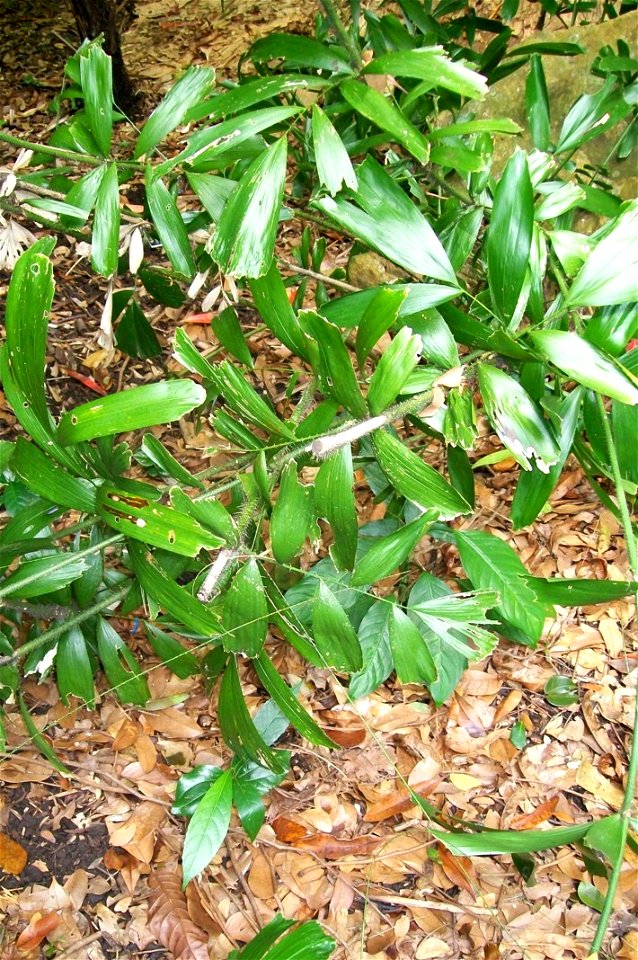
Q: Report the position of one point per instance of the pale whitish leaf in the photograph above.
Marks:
(333, 163)
(587, 364)
(609, 275)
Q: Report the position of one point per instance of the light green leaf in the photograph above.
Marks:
(143, 406)
(300, 51)
(379, 315)
(33, 578)
(412, 660)
(207, 827)
(189, 91)
(334, 501)
(333, 163)
(385, 114)
(609, 275)
(48, 479)
(374, 637)
(169, 224)
(97, 87)
(537, 103)
(334, 634)
(388, 553)
(240, 396)
(434, 66)
(393, 369)
(254, 91)
(245, 612)
(247, 229)
(509, 236)
(586, 364)
(494, 842)
(106, 224)
(337, 376)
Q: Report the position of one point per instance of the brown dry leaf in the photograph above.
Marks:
(173, 723)
(335, 848)
(41, 925)
(398, 801)
(591, 779)
(289, 831)
(137, 834)
(459, 870)
(27, 768)
(346, 736)
(527, 821)
(169, 921)
(13, 856)
(260, 877)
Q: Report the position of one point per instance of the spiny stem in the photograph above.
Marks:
(624, 813)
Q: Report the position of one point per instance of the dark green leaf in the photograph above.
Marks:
(375, 107)
(412, 659)
(120, 666)
(227, 329)
(537, 103)
(509, 236)
(135, 336)
(380, 314)
(177, 658)
(335, 502)
(33, 578)
(162, 286)
(291, 516)
(245, 612)
(561, 691)
(287, 702)
(106, 224)
(45, 477)
(97, 88)
(374, 637)
(191, 788)
(208, 827)
(169, 224)
(239, 395)
(274, 308)
(386, 554)
(238, 728)
(73, 668)
(155, 450)
(337, 374)
(300, 51)
(334, 634)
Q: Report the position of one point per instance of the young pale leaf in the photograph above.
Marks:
(271, 300)
(586, 364)
(558, 198)
(106, 224)
(291, 516)
(138, 407)
(334, 501)
(509, 236)
(333, 163)
(385, 218)
(33, 578)
(152, 523)
(416, 480)
(207, 827)
(239, 395)
(393, 369)
(380, 314)
(169, 225)
(412, 660)
(189, 91)
(494, 842)
(375, 107)
(491, 564)
(434, 66)
(609, 275)
(537, 103)
(245, 612)
(238, 728)
(334, 634)
(73, 668)
(338, 377)
(48, 479)
(516, 420)
(388, 553)
(120, 666)
(97, 87)
(288, 703)
(246, 232)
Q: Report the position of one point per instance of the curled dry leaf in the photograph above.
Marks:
(13, 856)
(398, 801)
(40, 926)
(169, 921)
(323, 844)
(527, 821)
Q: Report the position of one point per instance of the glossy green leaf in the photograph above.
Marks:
(189, 356)
(245, 612)
(557, 198)
(132, 409)
(287, 702)
(162, 286)
(265, 938)
(291, 517)
(334, 166)
(516, 419)
(245, 237)
(561, 691)
(48, 479)
(335, 502)
(240, 396)
(386, 554)
(611, 328)
(274, 307)
(83, 195)
(169, 225)
(383, 216)
(238, 728)
(459, 237)
(251, 92)
(175, 600)
(491, 564)
(434, 66)
(307, 940)
(208, 827)
(251, 782)
(176, 657)
(192, 786)
(494, 842)
(415, 479)
(393, 369)
(580, 593)
(591, 896)
(537, 103)
(380, 314)
(105, 240)
(334, 634)
(488, 125)
(122, 670)
(97, 88)
(193, 86)
(374, 637)
(380, 110)
(227, 329)
(607, 835)
(33, 578)
(300, 51)
(134, 335)
(166, 463)
(591, 115)
(609, 275)
(509, 236)
(586, 364)
(450, 659)
(209, 512)
(335, 367)
(73, 668)
(412, 660)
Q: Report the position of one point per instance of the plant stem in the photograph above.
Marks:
(624, 813)
(68, 560)
(72, 155)
(342, 32)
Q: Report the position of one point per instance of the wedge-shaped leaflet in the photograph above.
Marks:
(106, 224)
(412, 659)
(333, 163)
(609, 275)
(33, 578)
(516, 419)
(189, 356)
(434, 66)
(177, 601)
(381, 111)
(374, 637)
(176, 657)
(416, 480)
(120, 666)
(48, 479)
(244, 401)
(83, 195)
(97, 87)
(380, 314)
(291, 516)
(300, 51)
(388, 553)
(393, 369)
(335, 367)
(169, 224)
(334, 502)
(491, 564)
(238, 728)
(592, 114)
(334, 634)
(152, 523)
(287, 702)
(208, 826)
(189, 91)
(494, 842)
(586, 364)
(382, 215)
(73, 668)
(246, 232)
(509, 236)
(253, 91)
(155, 450)
(245, 612)
(275, 309)
(138, 407)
